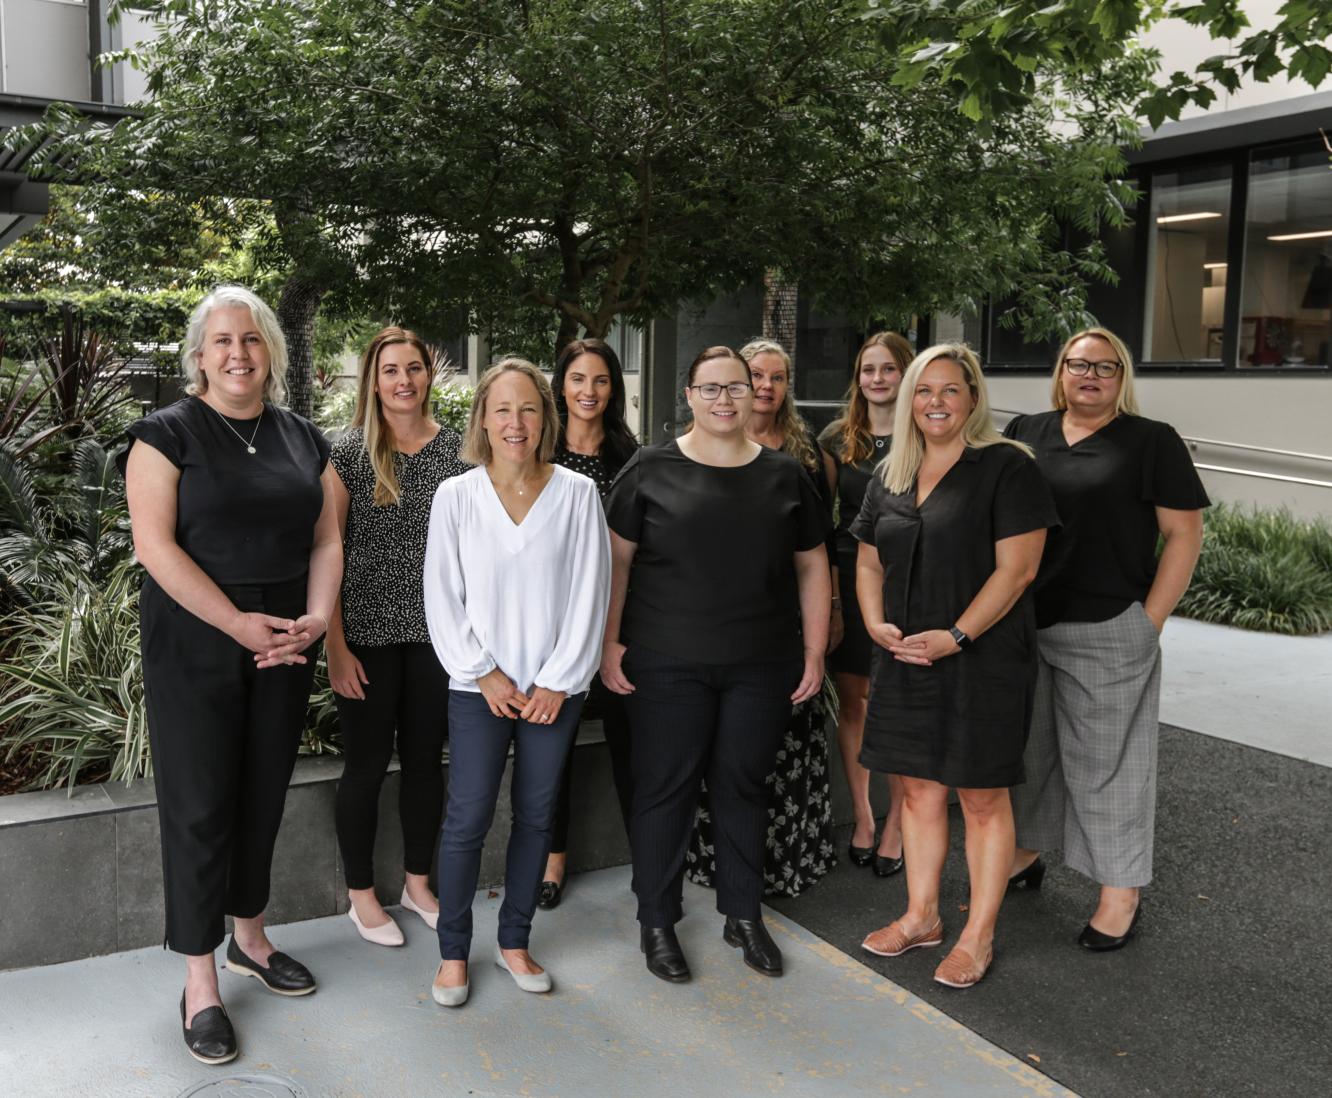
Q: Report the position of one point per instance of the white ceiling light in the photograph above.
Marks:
(1214, 266)
(1302, 236)
(1170, 219)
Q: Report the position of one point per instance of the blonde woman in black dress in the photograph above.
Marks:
(952, 531)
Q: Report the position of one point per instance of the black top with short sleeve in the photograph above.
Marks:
(1107, 488)
(713, 579)
(384, 547)
(243, 518)
(962, 721)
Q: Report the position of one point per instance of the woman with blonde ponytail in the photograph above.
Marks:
(387, 681)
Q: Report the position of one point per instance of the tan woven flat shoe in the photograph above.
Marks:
(893, 940)
(961, 969)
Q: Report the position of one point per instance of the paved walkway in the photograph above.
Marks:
(1257, 689)
(830, 1027)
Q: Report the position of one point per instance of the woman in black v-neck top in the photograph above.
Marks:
(231, 508)
(1121, 482)
(721, 593)
(952, 531)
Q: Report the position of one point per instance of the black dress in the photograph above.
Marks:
(852, 656)
(963, 721)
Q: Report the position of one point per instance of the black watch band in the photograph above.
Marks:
(963, 641)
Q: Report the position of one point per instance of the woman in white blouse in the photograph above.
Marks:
(517, 580)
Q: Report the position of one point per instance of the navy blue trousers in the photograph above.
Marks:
(478, 751)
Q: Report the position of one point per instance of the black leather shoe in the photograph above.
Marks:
(211, 1040)
(760, 951)
(886, 867)
(283, 976)
(1093, 939)
(665, 958)
(552, 892)
(860, 855)
(1030, 878)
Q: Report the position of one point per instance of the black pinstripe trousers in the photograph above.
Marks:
(689, 722)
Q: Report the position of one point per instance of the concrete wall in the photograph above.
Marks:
(1283, 413)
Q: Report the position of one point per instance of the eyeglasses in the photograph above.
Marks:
(1079, 367)
(711, 390)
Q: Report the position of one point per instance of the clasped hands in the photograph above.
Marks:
(277, 642)
(922, 649)
(506, 700)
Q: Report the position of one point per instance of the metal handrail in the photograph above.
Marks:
(1264, 476)
(1196, 442)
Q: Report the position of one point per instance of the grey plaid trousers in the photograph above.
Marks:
(1091, 753)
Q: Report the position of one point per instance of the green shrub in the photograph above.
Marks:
(1262, 570)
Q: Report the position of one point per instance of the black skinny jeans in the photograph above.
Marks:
(408, 695)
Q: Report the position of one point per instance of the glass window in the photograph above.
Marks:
(627, 342)
(1286, 309)
(1186, 265)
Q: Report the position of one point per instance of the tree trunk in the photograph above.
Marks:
(567, 333)
(296, 311)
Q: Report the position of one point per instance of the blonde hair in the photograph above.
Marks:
(377, 436)
(224, 297)
(796, 440)
(476, 445)
(1127, 401)
(850, 432)
(900, 469)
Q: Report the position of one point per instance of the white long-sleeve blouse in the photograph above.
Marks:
(528, 598)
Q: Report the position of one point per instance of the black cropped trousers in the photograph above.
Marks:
(224, 736)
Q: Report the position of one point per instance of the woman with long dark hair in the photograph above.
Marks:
(594, 440)
(853, 445)
(387, 681)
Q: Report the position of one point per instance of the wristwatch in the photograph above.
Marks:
(963, 641)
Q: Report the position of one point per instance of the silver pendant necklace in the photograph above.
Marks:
(249, 446)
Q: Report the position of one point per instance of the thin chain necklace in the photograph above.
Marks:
(249, 446)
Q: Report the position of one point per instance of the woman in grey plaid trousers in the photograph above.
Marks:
(1102, 598)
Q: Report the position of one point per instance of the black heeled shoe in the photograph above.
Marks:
(1030, 878)
(860, 855)
(886, 867)
(552, 892)
(1093, 939)
(211, 1040)
(752, 937)
(665, 958)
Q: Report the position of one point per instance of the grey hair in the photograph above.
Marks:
(275, 389)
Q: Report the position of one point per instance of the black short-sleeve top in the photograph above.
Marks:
(384, 547)
(243, 518)
(1107, 488)
(852, 482)
(937, 556)
(713, 579)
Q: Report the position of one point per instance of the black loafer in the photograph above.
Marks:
(665, 958)
(886, 867)
(211, 1040)
(1093, 939)
(760, 951)
(552, 892)
(283, 976)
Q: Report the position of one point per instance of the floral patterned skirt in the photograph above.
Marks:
(800, 846)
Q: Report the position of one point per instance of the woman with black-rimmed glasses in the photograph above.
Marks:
(1120, 482)
(720, 598)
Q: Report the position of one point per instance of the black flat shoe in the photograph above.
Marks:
(1093, 939)
(886, 867)
(665, 958)
(860, 855)
(1030, 878)
(283, 976)
(760, 951)
(211, 1040)
(550, 895)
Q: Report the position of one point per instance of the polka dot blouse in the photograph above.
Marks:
(384, 547)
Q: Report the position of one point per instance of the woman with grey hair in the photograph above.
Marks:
(231, 506)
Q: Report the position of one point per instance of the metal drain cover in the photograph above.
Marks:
(245, 1086)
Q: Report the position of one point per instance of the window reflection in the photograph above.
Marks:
(1186, 265)
(1287, 304)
